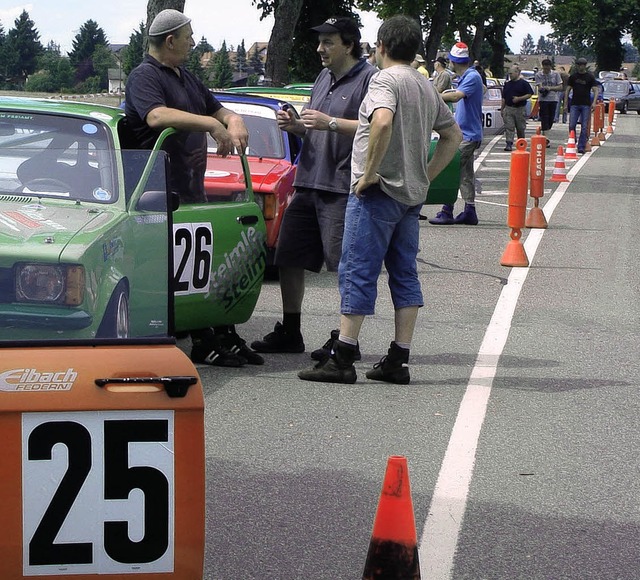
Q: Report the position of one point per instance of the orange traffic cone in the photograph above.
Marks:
(571, 152)
(393, 550)
(559, 169)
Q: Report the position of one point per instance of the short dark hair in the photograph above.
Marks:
(401, 37)
(546, 62)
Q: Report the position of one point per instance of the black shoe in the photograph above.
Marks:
(322, 354)
(279, 341)
(392, 368)
(338, 368)
(423, 217)
(212, 351)
(239, 346)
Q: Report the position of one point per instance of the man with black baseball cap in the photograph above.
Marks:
(582, 83)
(312, 227)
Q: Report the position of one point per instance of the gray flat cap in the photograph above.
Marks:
(167, 21)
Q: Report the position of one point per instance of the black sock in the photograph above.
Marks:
(291, 322)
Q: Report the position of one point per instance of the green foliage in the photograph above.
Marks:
(133, 54)
(222, 72)
(194, 65)
(20, 51)
(241, 58)
(255, 64)
(54, 72)
(84, 45)
(527, 46)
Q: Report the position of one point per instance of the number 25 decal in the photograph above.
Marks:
(192, 257)
(98, 492)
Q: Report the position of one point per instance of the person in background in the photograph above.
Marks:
(549, 83)
(371, 59)
(389, 175)
(468, 96)
(515, 94)
(312, 227)
(418, 64)
(162, 93)
(441, 79)
(582, 83)
(562, 104)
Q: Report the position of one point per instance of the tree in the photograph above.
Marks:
(194, 65)
(84, 45)
(134, 53)
(255, 63)
(54, 72)
(203, 47)
(103, 59)
(222, 71)
(593, 25)
(527, 46)
(22, 48)
(241, 58)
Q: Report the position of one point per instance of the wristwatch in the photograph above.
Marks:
(333, 124)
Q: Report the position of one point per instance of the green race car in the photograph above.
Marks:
(89, 244)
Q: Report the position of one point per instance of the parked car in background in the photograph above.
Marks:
(625, 93)
(272, 155)
(86, 224)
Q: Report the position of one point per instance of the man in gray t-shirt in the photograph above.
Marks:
(389, 180)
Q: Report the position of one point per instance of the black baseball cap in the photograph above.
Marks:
(337, 26)
(581, 60)
(442, 60)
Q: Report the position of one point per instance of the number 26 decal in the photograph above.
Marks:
(98, 492)
(192, 257)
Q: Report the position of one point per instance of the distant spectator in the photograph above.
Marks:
(562, 104)
(515, 94)
(480, 69)
(549, 84)
(442, 79)
(582, 83)
(371, 59)
(418, 64)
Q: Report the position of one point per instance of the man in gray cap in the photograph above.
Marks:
(312, 227)
(162, 93)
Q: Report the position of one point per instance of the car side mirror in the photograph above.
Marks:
(156, 200)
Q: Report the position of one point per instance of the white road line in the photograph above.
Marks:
(441, 530)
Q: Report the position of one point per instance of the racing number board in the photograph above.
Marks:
(107, 480)
(97, 492)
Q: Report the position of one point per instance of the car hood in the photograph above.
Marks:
(48, 227)
(265, 173)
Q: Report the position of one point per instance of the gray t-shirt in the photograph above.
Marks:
(550, 80)
(418, 110)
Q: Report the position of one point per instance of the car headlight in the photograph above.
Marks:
(49, 283)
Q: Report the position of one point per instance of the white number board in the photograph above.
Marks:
(98, 492)
(192, 257)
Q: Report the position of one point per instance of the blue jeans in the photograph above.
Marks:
(580, 113)
(377, 230)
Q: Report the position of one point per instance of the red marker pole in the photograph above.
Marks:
(535, 217)
(515, 255)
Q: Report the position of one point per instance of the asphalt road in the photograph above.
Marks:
(519, 425)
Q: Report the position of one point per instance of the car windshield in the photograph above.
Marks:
(616, 88)
(56, 156)
(265, 137)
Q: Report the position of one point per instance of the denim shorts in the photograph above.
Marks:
(311, 231)
(377, 230)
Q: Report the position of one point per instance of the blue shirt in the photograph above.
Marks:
(468, 113)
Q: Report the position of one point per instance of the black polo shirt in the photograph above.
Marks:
(325, 159)
(517, 88)
(151, 85)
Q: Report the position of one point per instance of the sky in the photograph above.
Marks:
(216, 20)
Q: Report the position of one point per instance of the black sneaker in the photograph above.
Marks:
(279, 341)
(324, 352)
(212, 351)
(392, 368)
(239, 347)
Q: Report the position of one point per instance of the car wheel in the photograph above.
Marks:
(624, 108)
(115, 323)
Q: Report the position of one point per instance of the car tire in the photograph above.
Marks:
(115, 323)
(624, 108)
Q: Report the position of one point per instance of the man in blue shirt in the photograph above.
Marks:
(468, 115)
